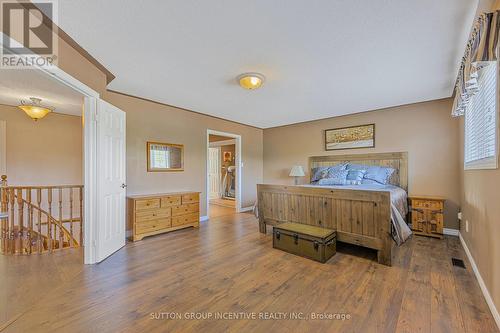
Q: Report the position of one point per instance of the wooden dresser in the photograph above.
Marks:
(159, 213)
(427, 215)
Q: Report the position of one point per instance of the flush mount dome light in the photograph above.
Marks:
(34, 109)
(251, 81)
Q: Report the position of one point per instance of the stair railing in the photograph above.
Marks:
(40, 218)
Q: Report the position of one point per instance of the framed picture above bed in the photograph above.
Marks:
(353, 137)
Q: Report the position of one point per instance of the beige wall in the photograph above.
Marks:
(46, 152)
(481, 208)
(425, 130)
(148, 121)
(480, 204)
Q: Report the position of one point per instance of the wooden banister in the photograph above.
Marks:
(31, 227)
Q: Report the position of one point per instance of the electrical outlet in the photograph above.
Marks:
(466, 225)
(460, 216)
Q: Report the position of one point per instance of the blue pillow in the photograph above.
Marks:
(351, 166)
(318, 173)
(335, 178)
(381, 175)
(354, 177)
(324, 172)
(333, 170)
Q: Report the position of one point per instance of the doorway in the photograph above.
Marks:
(223, 173)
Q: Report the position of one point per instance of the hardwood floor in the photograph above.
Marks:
(229, 267)
(223, 202)
(217, 211)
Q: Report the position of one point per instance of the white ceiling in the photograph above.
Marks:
(320, 58)
(17, 85)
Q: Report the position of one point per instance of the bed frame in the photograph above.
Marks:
(360, 217)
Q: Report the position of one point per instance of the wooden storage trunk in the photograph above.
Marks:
(308, 241)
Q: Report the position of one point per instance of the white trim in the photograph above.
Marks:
(451, 232)
(222, 143)
(58, 74)
(246, 209)
(90, 180)
(482, 285)
(203, 218)
(3, 147)
(238, 165)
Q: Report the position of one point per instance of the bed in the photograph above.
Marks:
(365, 215)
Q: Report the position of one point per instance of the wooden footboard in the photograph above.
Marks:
(359, 217)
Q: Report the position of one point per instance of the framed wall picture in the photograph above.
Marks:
(228, 157)
(353, 137)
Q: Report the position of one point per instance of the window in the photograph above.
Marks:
(481, 129)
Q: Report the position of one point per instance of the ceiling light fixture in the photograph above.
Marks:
(251, 81)
(34, 109)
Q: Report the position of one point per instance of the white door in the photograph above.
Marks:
(214, 173)
(110, 180)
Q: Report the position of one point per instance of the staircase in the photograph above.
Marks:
(40, 219)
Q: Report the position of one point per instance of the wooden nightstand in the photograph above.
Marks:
(427, 215)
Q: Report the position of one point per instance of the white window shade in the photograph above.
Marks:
(481, 118)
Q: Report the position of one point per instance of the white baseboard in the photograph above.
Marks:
(482, 285)
(203, 218)
(246, 209)
(451, 232)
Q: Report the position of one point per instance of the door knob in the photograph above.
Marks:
(124, 185)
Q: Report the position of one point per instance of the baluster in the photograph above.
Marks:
(71, 217)
(81, 216)
(11, 244)
(61, 230)
(30, 221)
(49, 219)
(4, 208)
(39, 203)
(20, 232)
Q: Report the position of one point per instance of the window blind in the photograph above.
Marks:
(480, 122)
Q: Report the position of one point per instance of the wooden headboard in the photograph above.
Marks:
(398, 161)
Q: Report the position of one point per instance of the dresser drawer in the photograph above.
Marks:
(170, 201)
(190, 198)
(185, 219)
(185, 209)
(427, 204)
(154, 225)
(144, 204)
(152, 214)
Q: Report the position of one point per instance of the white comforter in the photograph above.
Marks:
(399, 206)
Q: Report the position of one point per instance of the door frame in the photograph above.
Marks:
(89, 116)
(237, 163)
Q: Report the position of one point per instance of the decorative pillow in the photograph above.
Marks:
(318, 173)
(381, 175)
(333, 170)
(354, 177)
(337, 178)
(351, 166)
(325, 172)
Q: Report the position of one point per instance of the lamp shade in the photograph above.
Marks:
(297, 171)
